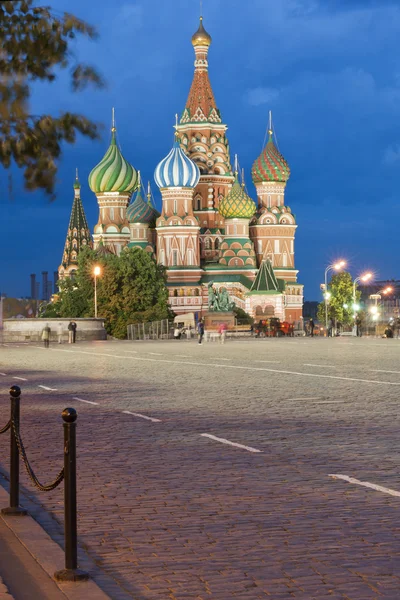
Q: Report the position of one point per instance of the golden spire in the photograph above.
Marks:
(201, 37)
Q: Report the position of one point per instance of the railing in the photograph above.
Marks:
(154, 330)
(66, 474)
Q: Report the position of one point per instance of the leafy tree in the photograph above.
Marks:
(341, 289)
(35, 42)
(243, 316)
(131, 289)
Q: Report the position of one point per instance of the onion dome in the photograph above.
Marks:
(270, 165)
(201, 37)
(113, 173)
(103, 250)
(237, 204)
(140, 211)
(177, 170)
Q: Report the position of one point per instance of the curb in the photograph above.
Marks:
(48, 554)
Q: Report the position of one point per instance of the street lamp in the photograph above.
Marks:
(334, 267)
(374, 309)
(364, 278)
(96, 272)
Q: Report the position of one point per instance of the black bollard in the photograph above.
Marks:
(71, 571)
(14, 509)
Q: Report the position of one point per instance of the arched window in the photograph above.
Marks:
(175, 207)
(197, 203)
(112, 214)
(284, 259)
(174, 258)
(216, 243)
(175, 293)
(269, 200)
(207, 244)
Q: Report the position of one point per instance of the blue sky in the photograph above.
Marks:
(328, 69)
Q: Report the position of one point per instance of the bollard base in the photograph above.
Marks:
(71, 575)
(12, 511)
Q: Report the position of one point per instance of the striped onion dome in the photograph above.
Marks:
(140, 211)
(270, 165)
(113, 173)
(237, 204)
(177, 170)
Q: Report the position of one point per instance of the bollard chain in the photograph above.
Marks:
(29, 470)
(6, 427)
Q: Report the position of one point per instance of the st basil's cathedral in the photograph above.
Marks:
(209, 229)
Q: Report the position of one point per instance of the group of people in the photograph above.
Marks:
(46, 333)
(222, 329)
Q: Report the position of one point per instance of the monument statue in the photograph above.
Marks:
(219, 301)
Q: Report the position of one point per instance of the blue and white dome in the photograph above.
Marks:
(177, 170)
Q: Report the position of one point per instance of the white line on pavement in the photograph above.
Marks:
(268, 361)
(20, 378)
(131, 351)
(325, 366)
(181, 356)
(373, 486)
(224, 441)
(197, 364)
(48, 389)
(127, 412)
(4, 374)
(86, 401)
(332, 402)
(156, 353)
(294, 399)
(223, 359)
(380, 371)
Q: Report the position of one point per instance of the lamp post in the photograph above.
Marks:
(334, 267)
(364, 278)
(96, 272)
(374, 310)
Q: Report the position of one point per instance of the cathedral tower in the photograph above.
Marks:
(113, 180)
(273, 227)
(78, 235)
(142, 218)
(203, 137)
(178, 246)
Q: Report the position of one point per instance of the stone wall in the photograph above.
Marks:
(30, 330)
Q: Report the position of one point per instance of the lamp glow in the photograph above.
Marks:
(97, 271)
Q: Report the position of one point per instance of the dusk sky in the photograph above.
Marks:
(328, 69)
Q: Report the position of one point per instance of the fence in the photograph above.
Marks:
(154, 330)
(66, 474)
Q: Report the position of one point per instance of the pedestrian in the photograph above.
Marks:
(358, 326)
(222, 332)
(398, 327)
(189, 333)
(74, 326)
(177, 333)
(311, 325)
(330, 328)
(46, 335)
(200, 330)
(70, 334)
(60, 332)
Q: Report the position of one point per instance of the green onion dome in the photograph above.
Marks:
(140, 211)
(237, 204)
(270, 165)
(113, 173)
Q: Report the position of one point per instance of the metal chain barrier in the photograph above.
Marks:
(29, 470)
(6, 427)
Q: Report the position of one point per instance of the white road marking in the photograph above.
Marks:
(47, 388)
(156, 353)
(86, 401)
(223, 359)
(268, 361)
(196, 364)
(4, 374)
(181, 356)
(332, 402)
(373, 486)
(229, 443)
(380, 371)
(132, 351)
(311, 365)
(293, 399)
(20, 378)
(127, 412)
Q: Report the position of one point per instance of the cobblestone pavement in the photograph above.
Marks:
(171, 514)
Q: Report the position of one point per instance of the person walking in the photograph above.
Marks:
(70, 332)
(46, 335)
(222, 332)
(330, 328)
(358, 326)
(200, 330)
(311, 325)
(74, 326)
(60, 332)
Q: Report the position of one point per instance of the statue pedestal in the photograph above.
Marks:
(213, 319)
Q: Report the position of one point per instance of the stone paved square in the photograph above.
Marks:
(170, 513)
